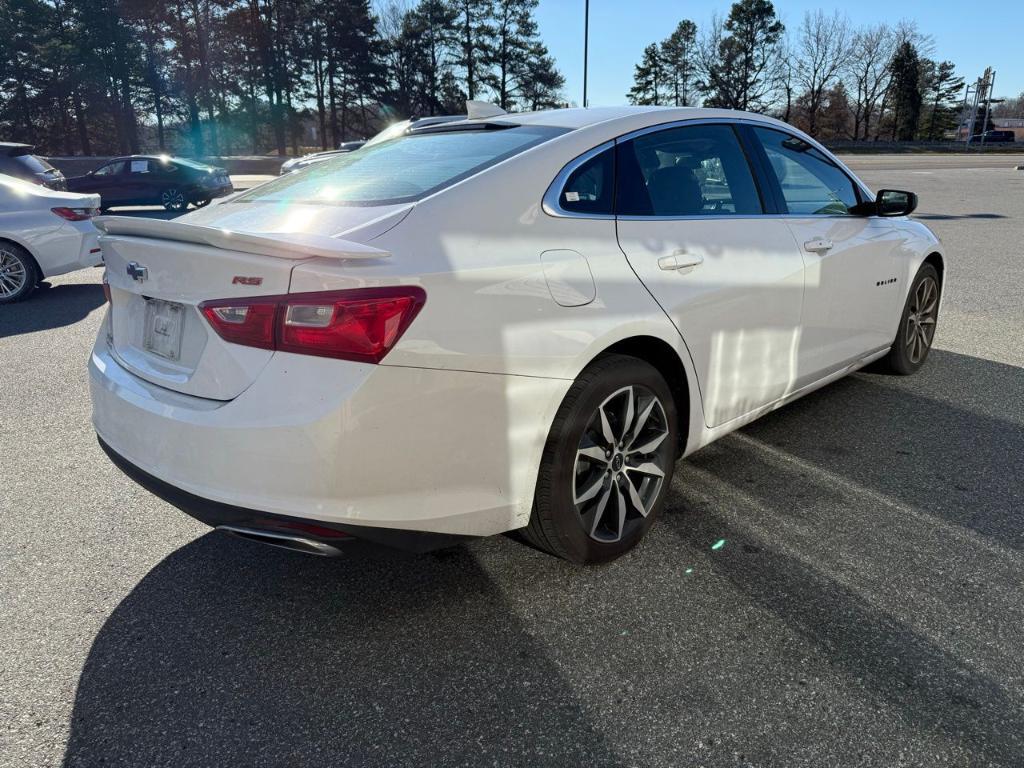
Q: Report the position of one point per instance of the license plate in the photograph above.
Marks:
(165, 321)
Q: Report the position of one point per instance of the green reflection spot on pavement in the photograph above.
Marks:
(718, 544)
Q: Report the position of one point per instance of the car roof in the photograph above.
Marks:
(187, 162)
(142, 157)
(577, 117)
(13, 148)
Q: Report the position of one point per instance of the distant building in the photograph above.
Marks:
(1015, 124)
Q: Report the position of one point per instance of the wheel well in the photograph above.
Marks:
(19, 246)
(936, 261)
(665, 359)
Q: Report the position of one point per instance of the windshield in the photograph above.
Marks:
(402, 170)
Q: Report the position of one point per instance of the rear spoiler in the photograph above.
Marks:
(283, 245)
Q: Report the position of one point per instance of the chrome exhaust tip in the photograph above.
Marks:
(282, 540)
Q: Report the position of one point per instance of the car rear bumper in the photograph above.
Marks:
(344, 537)
(343, 443)
(75, 245)
(215, 192)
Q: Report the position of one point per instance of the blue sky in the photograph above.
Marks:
(619, 30)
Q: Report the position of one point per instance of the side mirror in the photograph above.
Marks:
(895, 202)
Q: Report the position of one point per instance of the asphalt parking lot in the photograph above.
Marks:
(866, 608)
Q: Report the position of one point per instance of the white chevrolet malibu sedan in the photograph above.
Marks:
(513, 322)
(43, 233)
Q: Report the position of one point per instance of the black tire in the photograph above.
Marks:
(560, 527)
(917, 324)
(173, 199)
(19, 274)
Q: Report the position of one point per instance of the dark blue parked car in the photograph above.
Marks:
(172, 182)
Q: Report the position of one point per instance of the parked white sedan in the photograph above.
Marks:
(43, 233)
(515, 322)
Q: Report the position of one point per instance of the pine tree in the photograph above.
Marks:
(434, 22)
(542, 83)
(943, 89)
(649, 78)
(515, 39)
(476, 42)
(738, 69)
(906, 91)
(677, 53)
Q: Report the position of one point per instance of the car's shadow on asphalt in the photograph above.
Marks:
(50, 306)
(225, 654)
(955, 216)
(230, 655)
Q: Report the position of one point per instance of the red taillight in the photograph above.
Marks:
(250, 323)
(362, 324)
(75, 214)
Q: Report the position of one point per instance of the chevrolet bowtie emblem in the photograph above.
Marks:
(137, 272)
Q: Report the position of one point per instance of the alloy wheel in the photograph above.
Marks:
(621, 463)
(173, 199)
(923, 312)
(13, 274)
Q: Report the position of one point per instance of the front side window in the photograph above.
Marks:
(697, 170)
(404, 169)
(111, 169)
(590, 188)
(812, 184)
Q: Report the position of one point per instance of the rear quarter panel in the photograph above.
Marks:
(476, 249)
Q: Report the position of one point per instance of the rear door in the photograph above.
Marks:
(852, 293)
(692, 223)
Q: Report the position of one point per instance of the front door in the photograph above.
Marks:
(106, 181)
(851, 295)
(691, 222)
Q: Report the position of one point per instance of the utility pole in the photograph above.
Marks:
(982, 98)
(586, 45)
(988, 105)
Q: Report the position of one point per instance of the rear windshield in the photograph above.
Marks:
(193, 164)
(401, 170)
(33, 163)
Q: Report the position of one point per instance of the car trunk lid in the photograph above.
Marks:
(161, 271)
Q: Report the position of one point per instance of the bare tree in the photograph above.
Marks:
(823, 45)
(868, 72)
(784, 77)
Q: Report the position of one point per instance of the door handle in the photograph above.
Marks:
(680, 261)
(818, 245)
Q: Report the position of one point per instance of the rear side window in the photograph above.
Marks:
(591, 187)
(697, 170)
(403, 169)
(812, 184)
